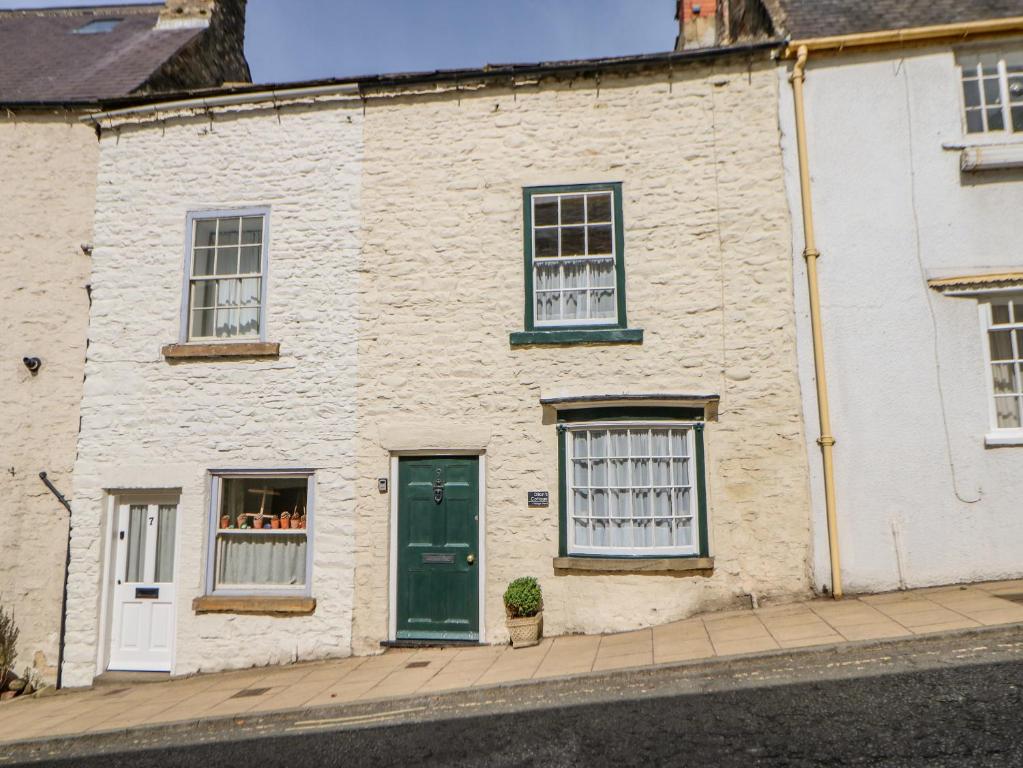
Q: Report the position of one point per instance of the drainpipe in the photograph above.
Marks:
(67, 568)
(811, 254)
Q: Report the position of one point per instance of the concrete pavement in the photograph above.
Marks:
(402, 673)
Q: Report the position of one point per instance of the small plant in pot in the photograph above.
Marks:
(523, 602)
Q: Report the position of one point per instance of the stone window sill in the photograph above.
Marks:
(264, 606)
(229, 349)
(1006, 438)
(577, 336)
(697, 566)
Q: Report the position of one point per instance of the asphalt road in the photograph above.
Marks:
(926, 705)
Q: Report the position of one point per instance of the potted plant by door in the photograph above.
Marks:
(523, 603)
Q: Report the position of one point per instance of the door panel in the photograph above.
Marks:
(438, 542)
(142, 630)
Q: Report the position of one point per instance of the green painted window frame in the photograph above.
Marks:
(575, 333)
(667, 415)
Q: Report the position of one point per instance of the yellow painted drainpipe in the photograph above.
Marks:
(810, 253)
(800, 49)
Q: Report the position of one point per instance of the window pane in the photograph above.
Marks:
(1017, 118)
(621, 534)
(599, 503)
(1001, 345)
(1015, 89)
(228, 292)
(580, 473)
(619, 442)
(620, 472)
(680, 472)
(662, 533)
(678, 442)
(205, 233)
(974, 121)
(258, 559)
(602, 273)
(641, 471)
(662, 472)
(602, 304)
(250, 290)
(263, 506)
(575, 305)
(971, 93)
(684, 533)
(204, 294)
(548, 306)
(251, 255)
(545, 243)
(640, 440)
(600, 239)
(642, 534)
(582, 531)
(1007, 411)
(575, 274)
(599, 533)
(252, 230)
(598, 473)
(572, 209)
(227, 232)
(545, 211)
(573, 241)
(662, 503)
(227, 322)
(165, 543)
(682, 502)
(581, 504)
(202, 323)
(227, 261)
(660, 442)
(202, 261)
(248, 322)
(1004, 378)
(598, 207)
(136, 554)
(641, 503)
(579, 444)
(992, 91)
(547, 275)
(619, 506)
(598, 443)
(994, 120)
(1000, 313)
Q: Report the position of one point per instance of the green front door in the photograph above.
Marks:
(438, 548)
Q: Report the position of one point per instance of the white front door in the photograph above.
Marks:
(142, 632)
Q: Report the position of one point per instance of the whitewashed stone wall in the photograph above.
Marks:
(921, 499)
(48, 174)
(151, 424)
(707, 248)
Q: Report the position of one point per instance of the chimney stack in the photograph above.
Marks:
(186, 13)
(697, 23)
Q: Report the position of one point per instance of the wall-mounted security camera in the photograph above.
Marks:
(32, 363)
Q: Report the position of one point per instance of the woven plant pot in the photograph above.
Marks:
(525, 631)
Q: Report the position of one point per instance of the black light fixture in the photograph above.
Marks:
(32, 363)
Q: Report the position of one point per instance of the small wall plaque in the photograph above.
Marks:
(382, 484)
(538, 498)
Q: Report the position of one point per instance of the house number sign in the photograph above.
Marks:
(538, 498)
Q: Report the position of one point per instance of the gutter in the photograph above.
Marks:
(959, 32)
(357, 86)
(67, 568)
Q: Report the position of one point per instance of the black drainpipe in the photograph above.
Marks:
(67, 567)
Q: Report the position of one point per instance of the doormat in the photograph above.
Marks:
(250, 692)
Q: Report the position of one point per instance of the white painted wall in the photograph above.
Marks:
(148, 423)
(905, 364)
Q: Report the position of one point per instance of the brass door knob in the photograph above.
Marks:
(470, 559)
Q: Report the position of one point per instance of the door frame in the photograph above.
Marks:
(392, 578)
(114, 501)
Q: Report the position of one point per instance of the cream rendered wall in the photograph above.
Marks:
(921, 500)
(707, 245)
(48, 173)
(148, 423)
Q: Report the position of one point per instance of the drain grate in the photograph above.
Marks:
(1014, 597)
(250, 692)
(416, 664)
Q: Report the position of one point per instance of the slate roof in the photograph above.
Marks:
(826, 18)
(43, 60)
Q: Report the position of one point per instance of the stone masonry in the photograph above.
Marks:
(47, 164)
(148, 423)
(708, 279)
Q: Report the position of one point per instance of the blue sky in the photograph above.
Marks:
(309, 39)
